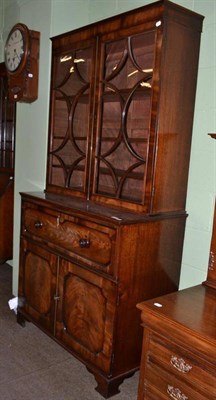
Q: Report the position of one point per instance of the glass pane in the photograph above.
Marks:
(136, 124)
(79, 126)
(125, 102)
(143, 51)
(7, 127)
(111, 123)
(71, 103)
(57, 176)
(76, 178)
(73, 71)
(60, 126)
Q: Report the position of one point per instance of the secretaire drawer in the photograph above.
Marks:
(88, 240)
(183, 364)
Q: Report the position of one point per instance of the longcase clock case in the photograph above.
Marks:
(7, 151)
(108, 230)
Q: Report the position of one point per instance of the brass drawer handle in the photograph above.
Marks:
(180, 364)
(84, 243)
(38, 224)
(176, 393)
(211, 261)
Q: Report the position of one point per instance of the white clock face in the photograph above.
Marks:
(14, 50)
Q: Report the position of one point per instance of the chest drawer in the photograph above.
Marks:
(185, 366)
(168, 386)
(91, 241)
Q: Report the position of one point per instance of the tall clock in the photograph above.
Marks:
(22, 63)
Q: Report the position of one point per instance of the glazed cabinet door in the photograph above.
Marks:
(72, 104)
(104, 95)
(37, 284)
(85, 314)
(128, 80)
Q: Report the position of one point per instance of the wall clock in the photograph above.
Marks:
(22, 63)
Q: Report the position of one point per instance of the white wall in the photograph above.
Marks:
(32, 119)
(202, 177)
(52, 17)
(49, 17)
(68, 15)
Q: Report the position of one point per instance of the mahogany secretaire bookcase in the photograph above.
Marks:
(108, 230)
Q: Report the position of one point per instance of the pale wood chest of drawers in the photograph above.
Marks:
(179, 346)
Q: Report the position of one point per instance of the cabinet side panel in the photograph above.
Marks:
(175, 116)
(149, 265)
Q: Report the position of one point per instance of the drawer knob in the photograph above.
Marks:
(175, 393)
(180, 364)
(84, 243)
(38, 224)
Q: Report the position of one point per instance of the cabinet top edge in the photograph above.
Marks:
(193, 309)
(83, 207)
(149, 12)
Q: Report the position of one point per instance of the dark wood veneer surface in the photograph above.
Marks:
(7, 151)
(108, 231)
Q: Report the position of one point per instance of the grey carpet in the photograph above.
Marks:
(34, 367)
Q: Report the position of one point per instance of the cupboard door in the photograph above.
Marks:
(85, 314)
(125, 109)
(37, 284)
(71, 124)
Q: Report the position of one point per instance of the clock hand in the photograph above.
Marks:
(16, 55)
